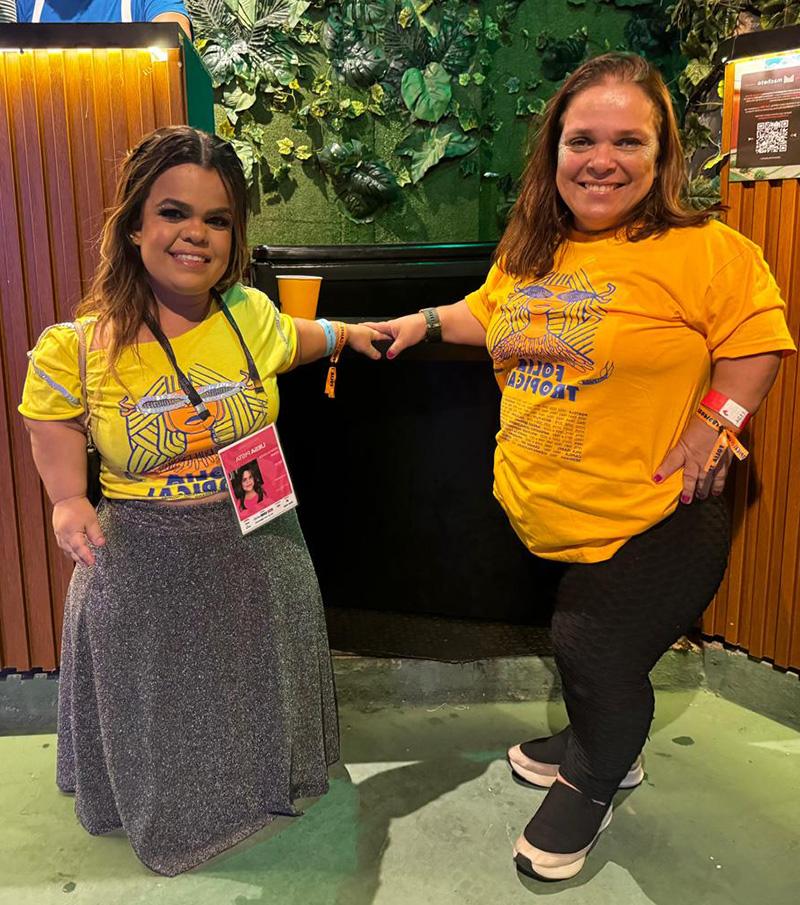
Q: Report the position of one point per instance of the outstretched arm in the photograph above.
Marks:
(459, 325)
(312, 341)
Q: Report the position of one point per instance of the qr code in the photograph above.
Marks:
(772, 137)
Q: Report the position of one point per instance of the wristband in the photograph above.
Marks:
(726, 439)
(433, 326)
(728, 408)
(341, 339)
(330, 335)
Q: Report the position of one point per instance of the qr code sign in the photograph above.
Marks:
(772, 137)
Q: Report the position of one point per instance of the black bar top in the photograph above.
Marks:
(279, 255)
(70, 35)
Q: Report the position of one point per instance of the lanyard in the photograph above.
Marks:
(184, 382)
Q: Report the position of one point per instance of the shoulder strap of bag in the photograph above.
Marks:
(80, 331)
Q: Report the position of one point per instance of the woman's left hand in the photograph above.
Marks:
(691, 454)
(360, 337)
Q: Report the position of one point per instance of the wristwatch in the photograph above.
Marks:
(433, 326)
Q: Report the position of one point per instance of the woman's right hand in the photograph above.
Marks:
(405, 331)
(75, 525)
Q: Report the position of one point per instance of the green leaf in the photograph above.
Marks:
(491, 29)
(513, 85)
(425, 150)
(368, 16)
(697, 70)
(427, 94)
(225, 59)
(702, 193)
(467, 116)
(296, 10)
(364, 189)
(428, 18)
(406, 17)
(453, 47)
(285, 146)
(363, 65)
(561, 55)
(468, 167)
(713, 161)
(238, 100)
(247, 155)
(527, 106)
(427, 147)
(459, 144)
(338, 156)
(302, 152)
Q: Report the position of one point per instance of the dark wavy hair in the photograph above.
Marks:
(258, 482)
(120, 292)
(540, 220)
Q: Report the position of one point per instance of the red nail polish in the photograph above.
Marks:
(657, 479)
(685, 498)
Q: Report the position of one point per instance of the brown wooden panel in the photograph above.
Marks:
(758, 605)
(111, 98)
(13, 622)
(21, 331)
(65, 257)
(67, 119)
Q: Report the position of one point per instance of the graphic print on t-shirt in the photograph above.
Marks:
(554, 319)
(543, 341)
(169, 439)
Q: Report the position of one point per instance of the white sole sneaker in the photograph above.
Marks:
(543, 865)
(543, 775)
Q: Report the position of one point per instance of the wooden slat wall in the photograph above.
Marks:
(66, 120)
(758, 606)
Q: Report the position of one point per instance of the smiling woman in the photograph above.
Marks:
(623, 326)
(185, 244)
(607, 154)
(226, 724)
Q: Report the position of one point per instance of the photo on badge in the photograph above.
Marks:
(258, 480)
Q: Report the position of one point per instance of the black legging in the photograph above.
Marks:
(612, 622)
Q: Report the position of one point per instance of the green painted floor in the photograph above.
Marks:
(423, 810)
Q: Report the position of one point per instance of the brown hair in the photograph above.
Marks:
(540, 220)
(120, 293)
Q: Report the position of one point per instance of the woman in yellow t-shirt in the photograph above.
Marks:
(195, 695)
(631, 337)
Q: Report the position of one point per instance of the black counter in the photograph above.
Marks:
(394, 475)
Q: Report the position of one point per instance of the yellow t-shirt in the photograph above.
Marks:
(601, 363)
(152, 443)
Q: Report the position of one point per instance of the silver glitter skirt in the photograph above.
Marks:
(196, 697)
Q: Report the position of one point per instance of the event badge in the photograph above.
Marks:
(258, 479)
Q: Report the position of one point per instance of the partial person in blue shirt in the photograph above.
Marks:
(104, 11)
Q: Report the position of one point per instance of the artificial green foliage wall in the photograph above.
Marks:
(407, 120)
